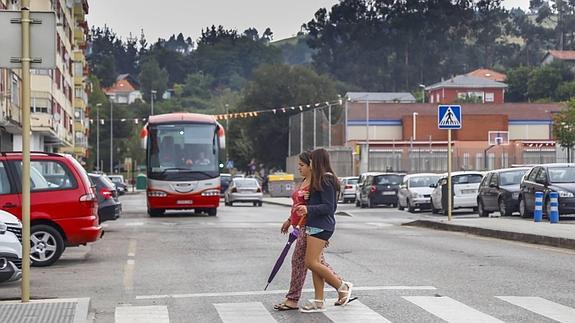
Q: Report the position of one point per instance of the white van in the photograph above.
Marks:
(10, 247)
(465, 187)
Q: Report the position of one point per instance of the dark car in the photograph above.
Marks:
(380, 189)
(548, 178)
(225, 180)
(499, 191)
(120, 184)
(109, 207)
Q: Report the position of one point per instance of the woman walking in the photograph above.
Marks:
(298, 269)
(320, 225)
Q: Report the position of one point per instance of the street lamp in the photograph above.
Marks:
(98, 136)
(111, 137)
(153, 96)
(422, 92)
(414, 125)
(227, 128)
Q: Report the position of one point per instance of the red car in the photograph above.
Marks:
(63, 207)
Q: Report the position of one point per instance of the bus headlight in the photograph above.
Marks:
(157, 194)
(211, 193)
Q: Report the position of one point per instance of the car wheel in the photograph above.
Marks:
(213, 211)
(433, 209)
(503, 209)
(156, 212)
(357, 202)
(481, 209)
(410, 207)
(523, 209)
(46, 245)
(370, 203)
(255, 203)
(260, 203)
(399, 207)
(547, 208)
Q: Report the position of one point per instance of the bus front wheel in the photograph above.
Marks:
(156, 212)
(212, 211)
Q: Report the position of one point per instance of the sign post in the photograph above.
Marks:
(449, 117)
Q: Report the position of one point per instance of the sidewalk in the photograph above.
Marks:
(72, 310)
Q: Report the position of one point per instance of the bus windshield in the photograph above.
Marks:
(182, 152)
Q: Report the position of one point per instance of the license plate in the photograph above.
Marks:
(185, 202)
(468, 191)
(388, 193)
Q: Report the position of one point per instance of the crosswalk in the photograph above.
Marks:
(443, 307)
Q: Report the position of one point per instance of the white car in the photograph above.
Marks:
(465, 187)
(348, 188)
(415, 191)
(10, 247)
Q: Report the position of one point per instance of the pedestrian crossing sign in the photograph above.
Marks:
(449, 117)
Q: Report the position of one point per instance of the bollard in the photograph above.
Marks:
(554, 200)
(538, 213)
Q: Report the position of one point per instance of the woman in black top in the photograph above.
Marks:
(320, 225)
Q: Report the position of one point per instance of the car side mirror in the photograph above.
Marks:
(541, 181)
(493, 185)
(433, 185)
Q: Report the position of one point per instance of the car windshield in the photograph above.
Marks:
(246, 182)
(116, 179)
(467, 179)
(388, 180)
(562, 174)
(352, 180)
(423, 181)
(511, 177)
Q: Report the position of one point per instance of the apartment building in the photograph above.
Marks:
(59, 96)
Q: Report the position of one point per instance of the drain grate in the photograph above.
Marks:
(60, 312)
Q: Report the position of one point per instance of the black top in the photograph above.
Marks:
(322, 205)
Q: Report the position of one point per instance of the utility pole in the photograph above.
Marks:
(111, 137)
(153, 95)
(98, 166)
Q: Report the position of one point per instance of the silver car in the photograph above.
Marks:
(244, 190)
(348, 187)
(415, 191)
(10, 247)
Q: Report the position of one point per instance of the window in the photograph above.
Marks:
(489, 97)
(47, 175)
(466, 161)
(5, 187)
(494, 180)
(486, 180)
(15, 93)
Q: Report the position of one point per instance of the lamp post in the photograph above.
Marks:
(227, 128)
(98, 136)
(422, 92)
(111, 137)
(415, 114)
(152, 96)
(367, 131)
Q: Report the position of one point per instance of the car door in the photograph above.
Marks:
(483, 192)
(403, 192)
(365, 189)
(436, 194)
(528, 188)
(492, 193)
(9, 198)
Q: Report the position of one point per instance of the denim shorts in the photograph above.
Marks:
(319, 233)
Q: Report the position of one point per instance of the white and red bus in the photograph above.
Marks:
(182, 161)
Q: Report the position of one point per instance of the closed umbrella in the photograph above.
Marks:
(292, 237)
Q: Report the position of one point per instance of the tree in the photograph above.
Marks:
(152, 78)
(274, 86)
(517, 79)
(564, 128)
(544, 80)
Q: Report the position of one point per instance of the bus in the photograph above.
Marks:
(182, 162)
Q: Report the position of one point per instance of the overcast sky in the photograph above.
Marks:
(160, 19)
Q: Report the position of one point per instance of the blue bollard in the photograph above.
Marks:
(538, 213)
(554, 200)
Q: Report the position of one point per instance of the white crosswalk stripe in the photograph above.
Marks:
(541, 306)
(450, 310)
(353, 312)
(141, 314)
(254, 312)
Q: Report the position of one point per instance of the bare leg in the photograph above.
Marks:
(312, 259)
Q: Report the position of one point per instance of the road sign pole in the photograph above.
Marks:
(449, 192)
(25, 12)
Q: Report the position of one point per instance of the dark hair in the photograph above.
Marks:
(305, 157)
(321, 171)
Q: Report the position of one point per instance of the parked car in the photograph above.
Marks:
(465, 185)
(120, 184)
(63, 209)
(244, 190)
(10, 247)
(415, 191)
(380, 189)
(109, 207)
(225, 180)
(548, 178)
(360, 182)
(348, 187)
(499, 191)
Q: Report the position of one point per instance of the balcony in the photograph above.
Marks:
(79, 36)
(43, 123)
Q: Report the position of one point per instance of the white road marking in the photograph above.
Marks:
(352, 312)
(541, 306)
(244, 312)
(142, 314)
(130, 265)
(450, 310)
(273, 292)
(129, 224)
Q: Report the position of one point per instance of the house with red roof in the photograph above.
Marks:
(488, 74)
(124, 90)
(466, 88)
(567, 56)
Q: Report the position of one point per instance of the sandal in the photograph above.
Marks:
(347, 298)
(284, 307)
(313, 307)
(339, 302)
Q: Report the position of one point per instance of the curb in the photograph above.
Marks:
(499, 234)
(82, 311)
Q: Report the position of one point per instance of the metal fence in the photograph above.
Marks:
(320, 127)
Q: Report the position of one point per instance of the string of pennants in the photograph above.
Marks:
(243, 115)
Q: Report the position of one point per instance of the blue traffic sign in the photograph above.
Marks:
(230, 164)
(449, 117)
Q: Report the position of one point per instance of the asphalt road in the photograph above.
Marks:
(195, 268)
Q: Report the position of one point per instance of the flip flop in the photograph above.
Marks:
(350, 300)
(284, 307)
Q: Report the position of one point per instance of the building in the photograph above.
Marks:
(488, 74)
(124, 90)
(567, 56)
(381, 97)
(466, 88)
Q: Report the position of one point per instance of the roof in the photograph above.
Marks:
(381, 97)
(488, 74)
(181, 117)
(566, 55)
(121, 86)
(514, 111)
(466, 81)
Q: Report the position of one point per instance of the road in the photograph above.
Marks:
(196, 268)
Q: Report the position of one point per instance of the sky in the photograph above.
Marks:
(161, 19)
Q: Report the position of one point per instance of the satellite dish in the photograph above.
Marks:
(57, 117)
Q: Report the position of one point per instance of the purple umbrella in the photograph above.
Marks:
(292, 237)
